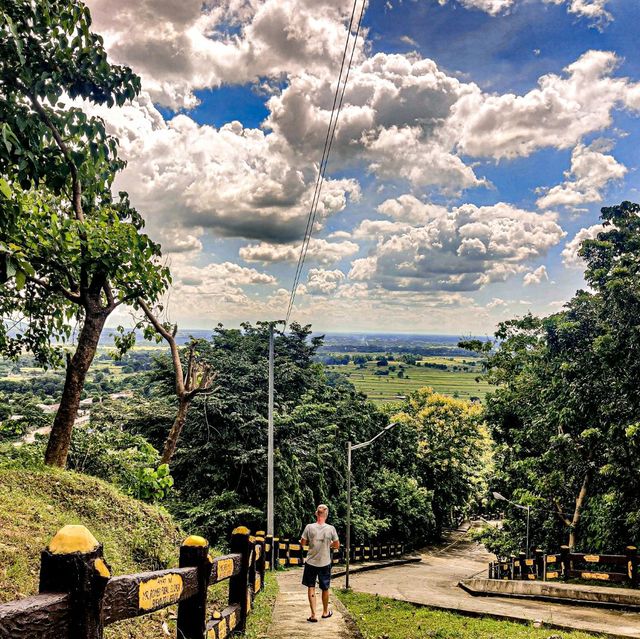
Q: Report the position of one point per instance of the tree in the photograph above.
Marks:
(71, 251)
(566, 411)
(451, 450)
(190, 382)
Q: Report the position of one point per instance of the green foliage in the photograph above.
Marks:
(153, 484)
(220, 464)
(452, 454)
(565, 414)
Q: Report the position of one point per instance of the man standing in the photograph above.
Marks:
(321, 538)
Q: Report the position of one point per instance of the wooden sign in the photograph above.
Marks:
(592, 558)
(602, 576)
(528, 562)
(225, 569)
(552, 575)
(551, 559)
(160, 592)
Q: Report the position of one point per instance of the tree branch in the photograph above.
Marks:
(76, 197)
(175, 354)
(55, 288)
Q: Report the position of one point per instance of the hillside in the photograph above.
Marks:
(35, 504)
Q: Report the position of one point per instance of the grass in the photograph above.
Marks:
(35, 504)
(382, 618)
(391, 388)
(260, 618)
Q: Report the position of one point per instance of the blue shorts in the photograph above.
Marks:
(312, 573)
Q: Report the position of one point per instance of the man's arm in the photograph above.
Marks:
(335, 542)
(304, 541)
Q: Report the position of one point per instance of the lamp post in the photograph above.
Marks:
(500, 497)
(351, 447)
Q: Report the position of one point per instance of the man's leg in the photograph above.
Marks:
(325, 602)
(311, 592)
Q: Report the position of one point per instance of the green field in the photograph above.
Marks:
(390, 388)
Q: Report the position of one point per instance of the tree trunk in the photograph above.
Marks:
(577, 513)
(77, 368)
(171, 443)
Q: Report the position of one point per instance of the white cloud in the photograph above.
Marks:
(319, 251)
(536, 277)
(465, 250)
(323, 282)
(496, 302)
(594, 10)
(181, 47)
(591, 171)
(234, 180)
(570, 257)
(392, 119)
(368, 229)
(556, 114)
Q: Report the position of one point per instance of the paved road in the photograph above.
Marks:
(434, 582)
(292, 609)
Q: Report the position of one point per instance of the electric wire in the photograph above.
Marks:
(329, 138)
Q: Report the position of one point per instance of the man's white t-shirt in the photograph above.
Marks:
(320, 538)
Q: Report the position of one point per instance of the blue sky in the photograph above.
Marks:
(478, 141)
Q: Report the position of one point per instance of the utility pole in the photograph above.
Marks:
(270, 526)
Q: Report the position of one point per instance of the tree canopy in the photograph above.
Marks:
(566, 414)
(71, 252)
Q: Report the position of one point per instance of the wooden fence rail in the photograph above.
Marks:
(567, 565)
(284, 552)
(79, 597)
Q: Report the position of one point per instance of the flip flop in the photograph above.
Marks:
(329, 615)
(312, 620)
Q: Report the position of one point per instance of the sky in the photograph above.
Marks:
(477, 142)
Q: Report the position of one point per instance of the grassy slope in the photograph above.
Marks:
(34, 505)
(378, 617)
(385, 388)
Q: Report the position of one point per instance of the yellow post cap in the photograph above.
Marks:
(241, 530)
(102, 569)
(195, 540)
(70, 539)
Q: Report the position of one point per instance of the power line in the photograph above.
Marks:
(328, 143)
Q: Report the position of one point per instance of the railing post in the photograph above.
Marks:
(268, 552)
(74, 563)
(192, 612)
(275, 553)
(239, 592)
(261, 562)
(566, 562)
(632, 565)
(539, 561)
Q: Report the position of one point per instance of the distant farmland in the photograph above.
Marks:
(390, 388)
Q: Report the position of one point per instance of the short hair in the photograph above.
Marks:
(322, 509)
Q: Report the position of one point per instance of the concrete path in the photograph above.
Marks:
(434, 582)
(292, 609)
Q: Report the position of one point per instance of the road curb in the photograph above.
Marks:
(609, 605)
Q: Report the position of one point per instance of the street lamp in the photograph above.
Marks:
(351, 447)
(500, 497)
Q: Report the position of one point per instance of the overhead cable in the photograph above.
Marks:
(338, 100)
